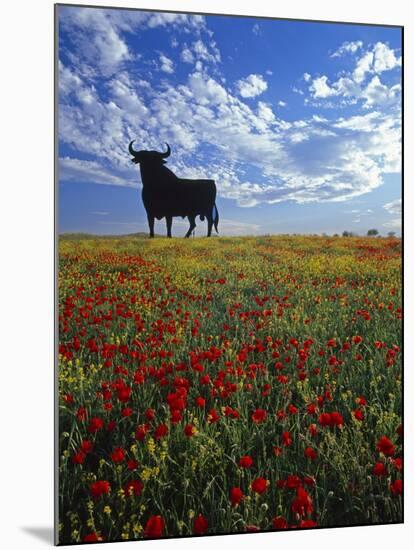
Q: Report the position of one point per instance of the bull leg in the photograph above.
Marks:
(191, 219)
(169, 224)
(209, 224)
(151, 224)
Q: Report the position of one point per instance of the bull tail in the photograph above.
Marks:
(216, 218)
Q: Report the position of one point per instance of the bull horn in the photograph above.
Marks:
(167, 153)
(131, 151)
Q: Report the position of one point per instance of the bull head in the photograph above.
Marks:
(142, 156)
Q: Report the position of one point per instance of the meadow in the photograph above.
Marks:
(228, 385)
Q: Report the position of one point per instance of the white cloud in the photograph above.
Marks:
(384, 58)
(186, 55)
(251, 86)
(363, 66)
(352, 87)
(282, 103)
(380, 58)
(307, 77)
(377, 93)
(320, 88)
(393, 224)
(90, 171)
(254, 156)
(265, 112)
(256, 28)
(209, 54)
(96, 37)
(166, 64)
(206, 90)
(394, 207)
(235, 227)
(347, 47)
(125, 96)
(97, 33)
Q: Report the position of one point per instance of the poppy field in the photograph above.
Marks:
(228, 385)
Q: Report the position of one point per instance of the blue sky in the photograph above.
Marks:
(299, 123)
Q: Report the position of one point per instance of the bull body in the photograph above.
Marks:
(165, 195)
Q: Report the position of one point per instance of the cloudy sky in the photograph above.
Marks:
(299, 123)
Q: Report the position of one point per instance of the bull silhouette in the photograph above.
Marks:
(166, 196)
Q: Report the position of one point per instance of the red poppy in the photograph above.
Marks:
(100, 488)
(396, 487)
(277, 451)
(200, 525)
(302, 504)
(133, 488)
(81, 414)
(286, 439)
(95, 424)
(118, 455)
(385, 446)
(292, 409)
(132, 464)
(361, 401)
(92, 537)
(313, 430)
(246, 462)
(141, 432)
(308, 480)
(160, 431)
(379, 469)
(213, 416)
(154, 527)
(124, 393)
(259, 485)
(310, 453)
(200, 402)
(324, 419)
(86, 446)
(398, 463)
(359, 414)
(68, 398)
(259, 415)
(190, 430)
(150, 414)
(175, 416)
(79, 457)
(293, 482)
(236, 496)
(307, 523)
(111, 426)
(331, 419)
(280, 523)
(336, 419)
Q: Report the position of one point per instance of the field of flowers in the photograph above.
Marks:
(228, 385)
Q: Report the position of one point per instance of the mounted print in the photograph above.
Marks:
(229, 282)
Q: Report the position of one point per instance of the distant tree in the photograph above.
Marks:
(391, 233)
(372, 232)
(347, 234)
(336, 235)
